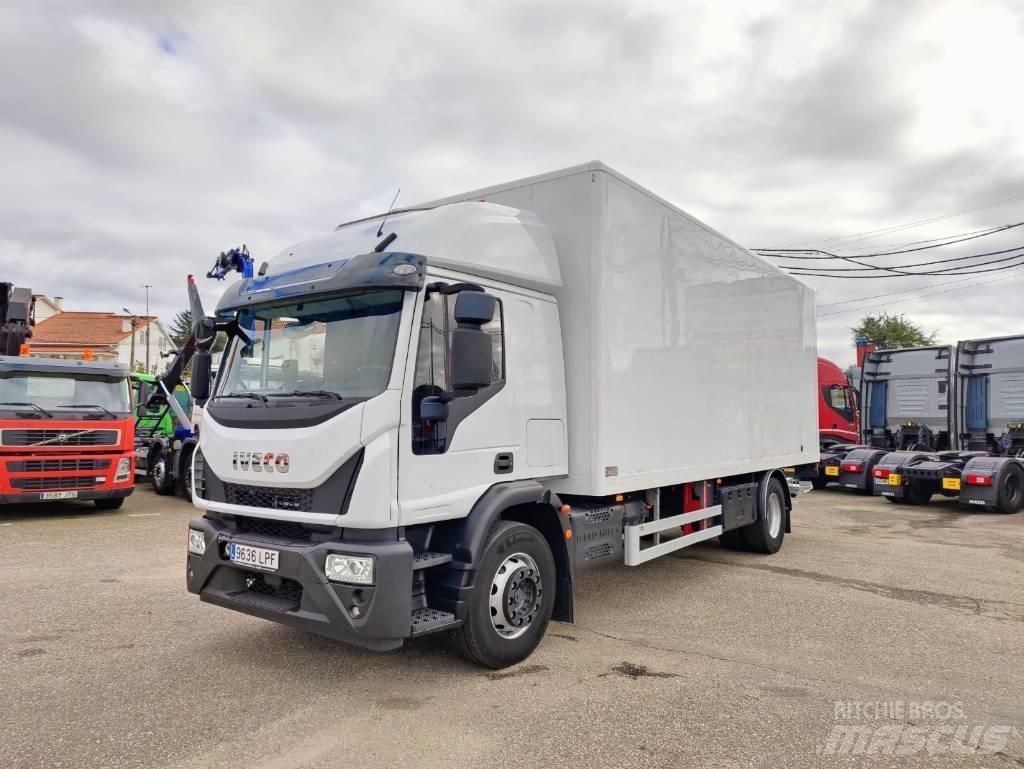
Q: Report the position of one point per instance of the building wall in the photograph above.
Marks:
(159, 342)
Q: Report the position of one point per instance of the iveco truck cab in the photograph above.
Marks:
(431, 420)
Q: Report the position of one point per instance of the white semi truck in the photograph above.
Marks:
(432, 420)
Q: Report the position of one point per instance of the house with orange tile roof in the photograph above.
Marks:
(68, 334)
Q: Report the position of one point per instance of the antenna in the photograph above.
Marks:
(390, 208)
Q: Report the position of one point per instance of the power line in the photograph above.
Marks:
(912, 298)
(783, 253)
(896, 293)
(856, 237)
(947, 271)
(898, 269)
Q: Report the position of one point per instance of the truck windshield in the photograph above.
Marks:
(340, 346)
(60, 391)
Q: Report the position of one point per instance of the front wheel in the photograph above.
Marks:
(512, 599)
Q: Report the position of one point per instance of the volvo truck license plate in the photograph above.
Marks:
(59, 495)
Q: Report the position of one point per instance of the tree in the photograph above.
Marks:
(181, 327)
(887, 332)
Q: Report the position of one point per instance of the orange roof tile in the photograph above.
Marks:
(84, 328)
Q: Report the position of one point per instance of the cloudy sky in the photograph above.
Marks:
(140, 139)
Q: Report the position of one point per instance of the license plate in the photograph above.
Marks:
(894, 480)
(58, 495)
(257, 557)
(831, 471)
(953, 484)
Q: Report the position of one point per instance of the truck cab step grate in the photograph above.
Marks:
(427, 559)
(431, 620)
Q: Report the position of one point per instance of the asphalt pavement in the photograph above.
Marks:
(880, 635)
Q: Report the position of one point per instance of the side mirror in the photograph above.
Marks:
(472, 347)
(474, 308)
(143, 396)
(201, 365)
(433, 409)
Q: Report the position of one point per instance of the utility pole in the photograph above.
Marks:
(147, 286)
(134, 322)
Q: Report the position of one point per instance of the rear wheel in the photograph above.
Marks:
(184, 484)
(764, 535)
(1011, 490)
(160, 472)
(917, 495)
(108, 504)
(820, 482)
(512, 599)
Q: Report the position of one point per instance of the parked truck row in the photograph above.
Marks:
(942, 419)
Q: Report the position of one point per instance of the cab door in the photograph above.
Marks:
(455, 442)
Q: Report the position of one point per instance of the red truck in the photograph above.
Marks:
(838, 416)
(66, 431)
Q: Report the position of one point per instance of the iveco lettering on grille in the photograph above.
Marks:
(259, 461)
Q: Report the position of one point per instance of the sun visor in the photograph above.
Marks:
(366, 271)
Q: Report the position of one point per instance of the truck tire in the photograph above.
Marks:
(159, 472)
(111, 503)
(1010, 497)
(765, 535)
(867, 490)
(183, 485)
(512, 599)
(820, 482)
(916, 495)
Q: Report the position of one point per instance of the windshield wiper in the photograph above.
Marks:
(33, 405)
(253, 396)
(96, 406)
(310, 393)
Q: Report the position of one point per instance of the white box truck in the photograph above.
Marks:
(431, 420)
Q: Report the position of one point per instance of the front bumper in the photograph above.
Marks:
(298, 594)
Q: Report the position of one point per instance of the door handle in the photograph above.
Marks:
(503, 462)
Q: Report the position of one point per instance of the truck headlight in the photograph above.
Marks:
(353, 569)
(196, 541)
(124, 470)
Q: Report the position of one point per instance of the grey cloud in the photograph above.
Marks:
(141, 139)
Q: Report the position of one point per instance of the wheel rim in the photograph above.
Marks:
(516, 595)
(159, 471)
(774, 515)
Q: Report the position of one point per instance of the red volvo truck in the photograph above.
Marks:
(66, 431)
(838, 419)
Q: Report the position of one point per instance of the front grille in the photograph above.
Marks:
(59, 438)
(50, 484)
(279, 531)
(295, 500)
(56, 465)
(260, 591)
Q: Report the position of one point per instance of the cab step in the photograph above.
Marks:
(431, 620)
(427, 559)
